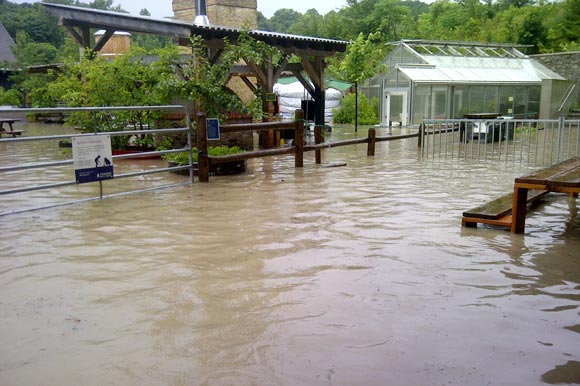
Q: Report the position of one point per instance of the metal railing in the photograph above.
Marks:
(34, 184)
(521, 141)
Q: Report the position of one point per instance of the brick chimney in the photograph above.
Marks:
(227, 13)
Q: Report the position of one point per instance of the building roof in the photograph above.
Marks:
(6, 42)
(461, 63)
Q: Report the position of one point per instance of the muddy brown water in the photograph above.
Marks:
(351, 275)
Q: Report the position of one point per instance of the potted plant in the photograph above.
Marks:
(228, 168)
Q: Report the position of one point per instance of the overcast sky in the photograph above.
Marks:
(162, 8)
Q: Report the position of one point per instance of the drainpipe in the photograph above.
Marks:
(200, 13)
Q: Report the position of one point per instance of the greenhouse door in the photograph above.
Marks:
(395, 109)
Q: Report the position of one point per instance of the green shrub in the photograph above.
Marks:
(182, 158)
(11, 97)
(367, 110)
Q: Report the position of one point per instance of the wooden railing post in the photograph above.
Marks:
(299, 138)
(372, 141)
(318, 140)
(202, 158)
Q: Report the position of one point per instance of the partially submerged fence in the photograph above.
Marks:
(97, 131)
(523, 141)
(298, 146)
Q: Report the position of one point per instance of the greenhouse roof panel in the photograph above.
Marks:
(458, 69)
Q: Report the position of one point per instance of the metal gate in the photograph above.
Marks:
(13, 173)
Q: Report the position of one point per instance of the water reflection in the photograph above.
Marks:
(359, 274)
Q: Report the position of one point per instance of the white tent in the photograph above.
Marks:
(290, 97)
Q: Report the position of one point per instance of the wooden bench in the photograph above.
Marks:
(13, 133)
(10, 123)
(498, 212)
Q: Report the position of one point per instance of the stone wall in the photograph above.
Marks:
(566, 64)
(227, 13)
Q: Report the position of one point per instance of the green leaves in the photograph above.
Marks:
(362, 60)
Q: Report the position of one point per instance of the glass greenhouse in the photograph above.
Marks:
(439, 80)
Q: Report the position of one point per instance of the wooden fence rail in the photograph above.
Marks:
(298, 147)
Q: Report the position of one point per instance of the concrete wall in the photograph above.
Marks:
(553, 92)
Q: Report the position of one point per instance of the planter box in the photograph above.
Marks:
(225, 169)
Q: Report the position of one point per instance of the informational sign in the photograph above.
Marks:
(270, 97)
(93, 158)
(213, 128)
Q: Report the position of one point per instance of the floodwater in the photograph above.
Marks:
(348, 275)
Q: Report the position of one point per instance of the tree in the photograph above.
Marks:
(309, 24)
(571, 21)
(33, 20)
(204, 82)
(30, 53)
(10, 98)
(264, 23)
(334, 26)
(283, 19)
(532, 30)
(126, 80)
(362, 60)
(391, 19)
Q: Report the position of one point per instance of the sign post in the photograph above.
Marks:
(93, 159)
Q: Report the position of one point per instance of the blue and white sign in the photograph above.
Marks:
(213, 128)
(93, 158)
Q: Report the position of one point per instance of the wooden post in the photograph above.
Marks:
(420, 137)
(270, 140)
(318, 140)
(202, 160)
(372, 141)
(299, 139)
(519, 204)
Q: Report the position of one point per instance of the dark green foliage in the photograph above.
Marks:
(549, 26)
(367, 110)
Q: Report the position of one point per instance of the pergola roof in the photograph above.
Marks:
(312, 51)
(213, 34)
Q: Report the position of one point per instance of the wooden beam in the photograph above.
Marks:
(86, 31)
(75, 35)
(307, 85)
(103, 40)
(312, 71)
(249, 83)
(281, 68)
(262, 78)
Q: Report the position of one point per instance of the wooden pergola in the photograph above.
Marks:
(312, 51)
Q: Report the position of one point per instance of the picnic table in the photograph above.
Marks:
(10, 123)
(563, 177)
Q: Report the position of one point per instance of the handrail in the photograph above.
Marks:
(31, 186)
(565, 99)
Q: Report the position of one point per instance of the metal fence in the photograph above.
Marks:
(522, 141)
(35, 184)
